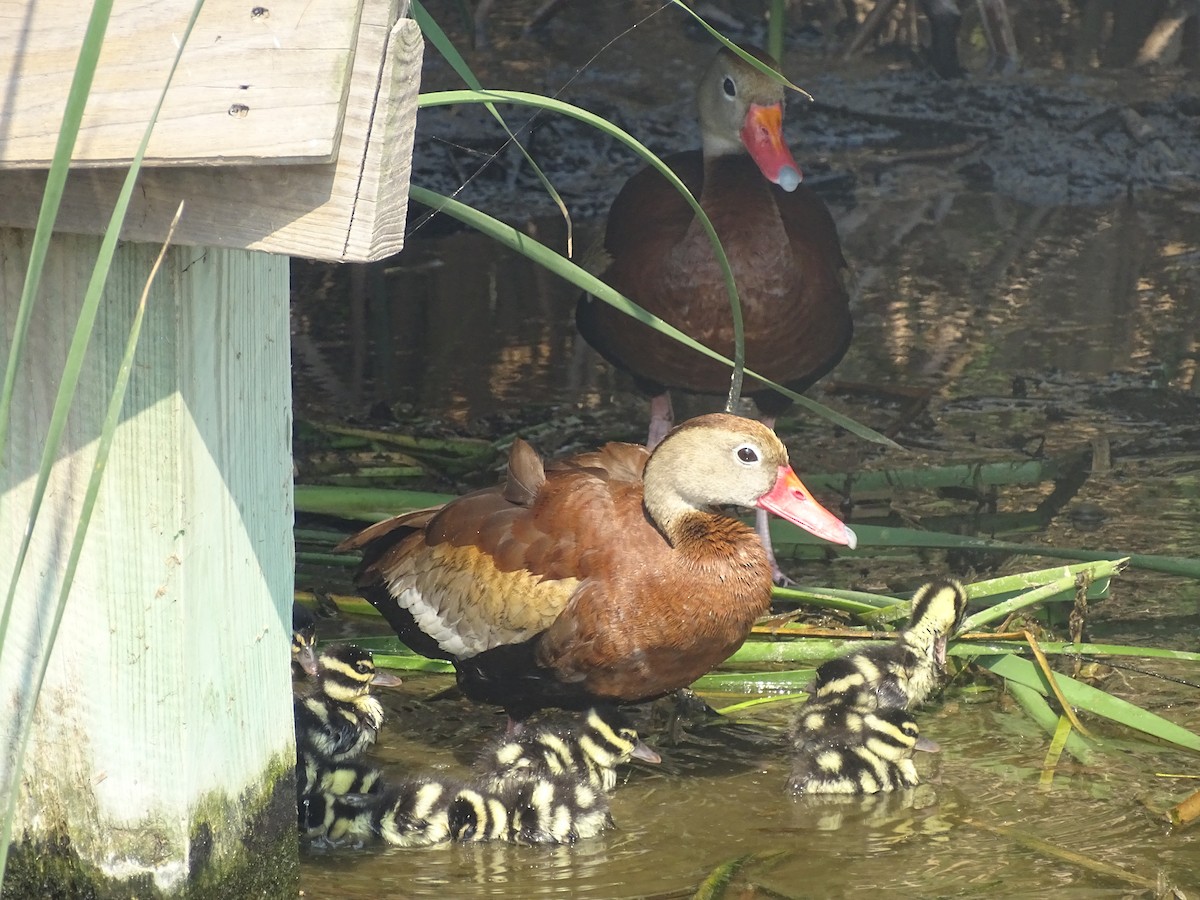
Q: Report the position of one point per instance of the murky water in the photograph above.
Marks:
(988, 328)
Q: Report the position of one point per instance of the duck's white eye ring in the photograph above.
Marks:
(729, 87)
(746, 454)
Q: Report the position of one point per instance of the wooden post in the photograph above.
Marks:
(162, 756)
(162, 751)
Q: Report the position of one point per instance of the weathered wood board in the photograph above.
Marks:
(257, 81)
(166, 710)
(353, 209)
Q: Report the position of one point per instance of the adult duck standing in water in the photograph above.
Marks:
(781, 242)
(609, 577)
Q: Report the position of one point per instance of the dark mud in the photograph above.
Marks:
(1062, 130)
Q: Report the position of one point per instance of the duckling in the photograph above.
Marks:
(421, 811)
(588, 754)
(304, 641)
(338, 720)
(315, 775)
(843, 749)
(532, 809)
(902, 673)
(409, 813)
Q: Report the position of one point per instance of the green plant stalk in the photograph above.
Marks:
(869, 536)
(66, 392)
(1012, 584)
(973, 475)
(363, 504)
(1014, 669)
(976, 648)
(755, 682)
(1036, 707)
(776, 28)
(857, 602)
(569, 271)
(1021, 601)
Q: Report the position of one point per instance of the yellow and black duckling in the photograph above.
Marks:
(588, 753)
(531, 810)
(304, 641)
(418, 812)
(902, 673)
(315, 775)
(339, 718)
(843, 749)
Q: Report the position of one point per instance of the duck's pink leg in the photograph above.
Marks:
(662, 418)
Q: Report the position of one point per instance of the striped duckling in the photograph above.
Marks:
(339, 718)
(304, 642)
(421, 811)
(902, 673)
(588, 754)
(844, 749)
(532, 809)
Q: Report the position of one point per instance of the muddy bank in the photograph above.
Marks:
(1049, 134)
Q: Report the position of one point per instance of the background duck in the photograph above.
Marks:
(339, 718)
(780, 239)
(605, 578)
(843, 749)
(904, 672)
(588, 753)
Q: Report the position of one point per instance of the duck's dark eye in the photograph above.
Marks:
(747, 454)
(729, 87)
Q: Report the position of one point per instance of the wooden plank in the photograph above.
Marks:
(165, 723)
(256, 82)
(351, 210)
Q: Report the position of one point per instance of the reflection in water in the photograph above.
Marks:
(970, 829)
(962, 290)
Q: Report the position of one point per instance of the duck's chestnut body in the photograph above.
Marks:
(608, 577)
(780, 239)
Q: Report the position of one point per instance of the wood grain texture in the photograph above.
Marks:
(350, 210)
(168, 693)
(257, 82)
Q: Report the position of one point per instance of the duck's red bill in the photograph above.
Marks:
(791, 500)
(762, 133)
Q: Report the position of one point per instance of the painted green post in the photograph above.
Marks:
(161, 758)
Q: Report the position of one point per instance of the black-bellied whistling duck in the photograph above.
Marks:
(902, 673)
(781, 242)
(608, 577)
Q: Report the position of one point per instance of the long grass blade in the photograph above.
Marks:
(762, 67)
(66, 392)
(433, 32)
(56, 181)
(601, 124)
(569, 271)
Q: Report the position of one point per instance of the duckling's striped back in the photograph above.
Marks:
(589, 753)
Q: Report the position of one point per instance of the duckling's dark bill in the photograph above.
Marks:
(791, 500)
